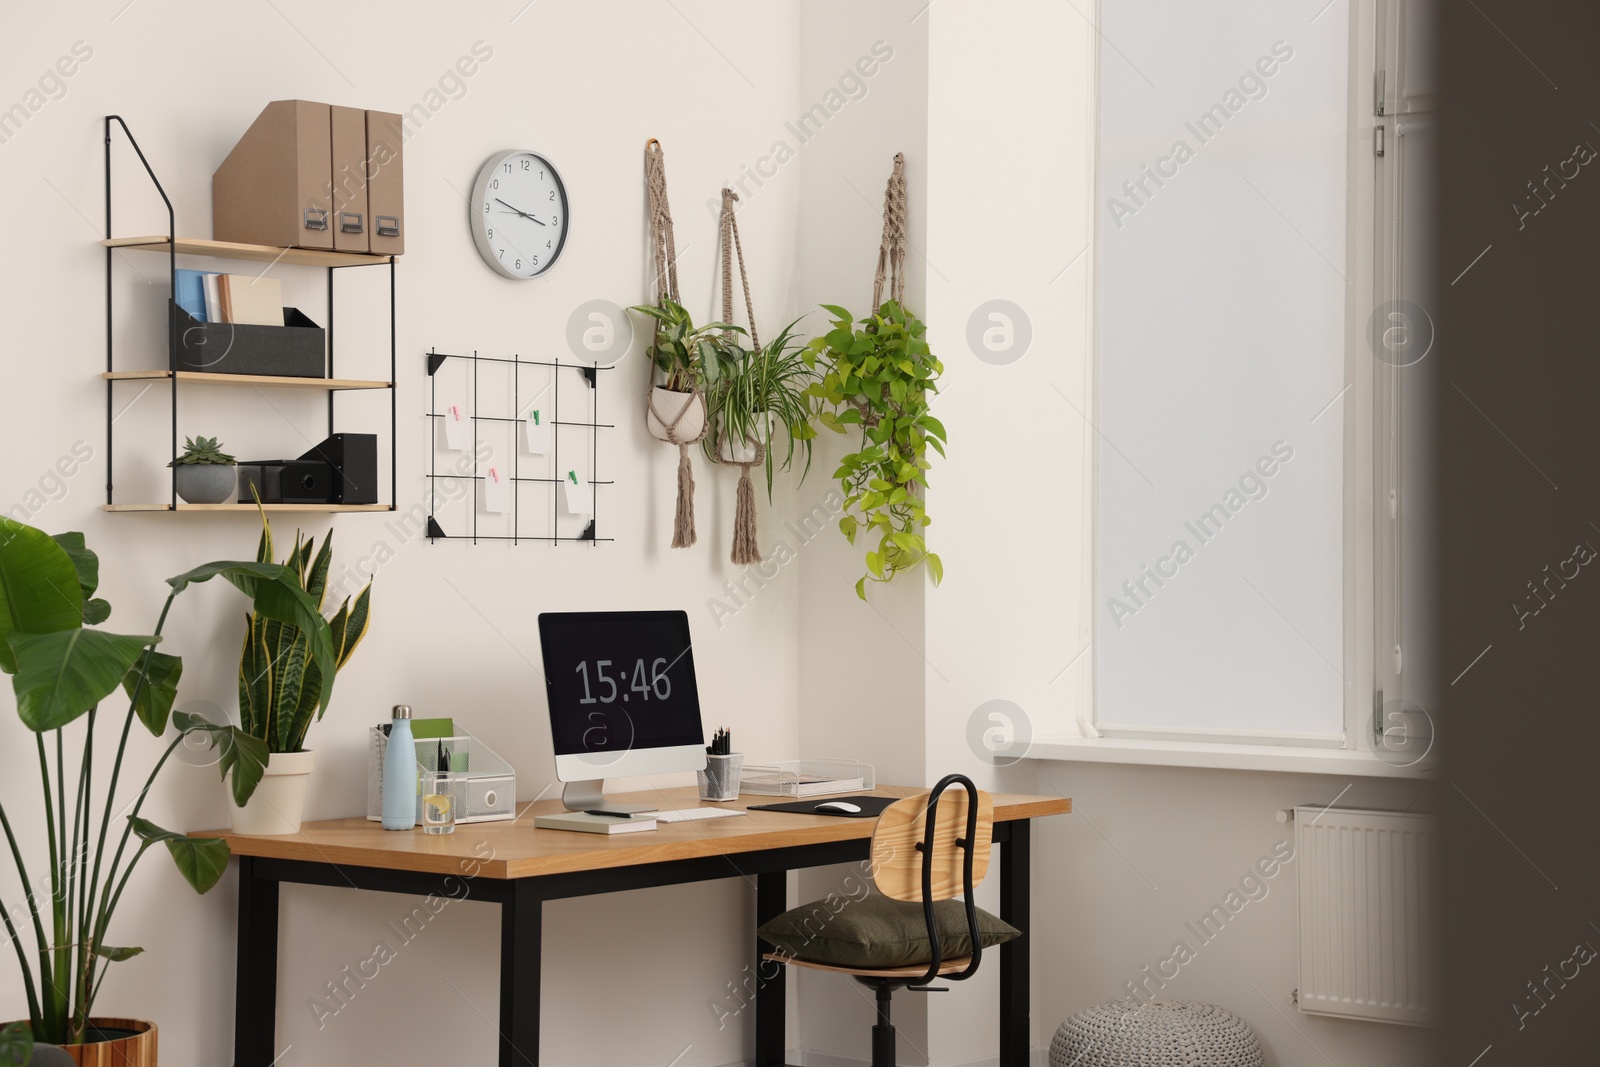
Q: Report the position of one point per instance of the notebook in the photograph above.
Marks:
(585, 823)
(252, 301)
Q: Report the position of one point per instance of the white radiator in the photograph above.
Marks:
(1367, 907)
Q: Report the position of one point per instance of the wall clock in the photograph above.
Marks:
(518, 214)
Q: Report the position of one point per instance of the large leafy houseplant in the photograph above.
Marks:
(762, 398)
(279, 679)
(878, 373)
(62, 668)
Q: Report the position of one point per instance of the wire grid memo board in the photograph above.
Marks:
(492, 395)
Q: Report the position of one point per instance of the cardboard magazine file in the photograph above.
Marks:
(349, 177)
(385, 183)
(276, 186)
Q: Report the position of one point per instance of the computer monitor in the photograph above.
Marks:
(623, 699)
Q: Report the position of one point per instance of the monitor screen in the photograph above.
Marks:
(619, 681)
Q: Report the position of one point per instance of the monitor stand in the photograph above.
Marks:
(588, 795)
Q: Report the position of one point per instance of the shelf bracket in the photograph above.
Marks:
(590, 375)
(435, 530)
(435, 361)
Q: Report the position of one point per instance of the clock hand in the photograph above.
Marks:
(518, 211)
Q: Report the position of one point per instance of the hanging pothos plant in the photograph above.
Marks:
(878, 373)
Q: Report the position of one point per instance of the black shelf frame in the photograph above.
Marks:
(172, 329)
(591, 376)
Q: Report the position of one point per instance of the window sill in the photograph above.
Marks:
(1231, 757)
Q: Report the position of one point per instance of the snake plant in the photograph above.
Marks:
(280, 682)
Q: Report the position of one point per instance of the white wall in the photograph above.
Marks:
(454, 624)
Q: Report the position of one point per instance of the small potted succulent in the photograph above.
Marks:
(204, 474)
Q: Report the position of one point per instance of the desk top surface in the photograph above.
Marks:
(516, 849)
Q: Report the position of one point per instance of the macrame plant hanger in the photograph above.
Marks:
(666, 258)
(745, 550)
(892, 249)
(891, 257)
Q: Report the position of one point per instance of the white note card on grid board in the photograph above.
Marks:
(455, 429)
(540, 431)
(496, 492)
(575, 493)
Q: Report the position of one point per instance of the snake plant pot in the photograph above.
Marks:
(667, 405)
(109, 1043)
(279, 801)
(206, 483)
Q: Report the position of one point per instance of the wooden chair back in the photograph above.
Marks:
(902, 833)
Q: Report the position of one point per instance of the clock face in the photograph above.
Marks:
(519, 214)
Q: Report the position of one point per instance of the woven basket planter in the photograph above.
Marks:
(1160, 1033)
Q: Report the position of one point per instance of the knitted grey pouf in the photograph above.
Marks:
(1160, 1033)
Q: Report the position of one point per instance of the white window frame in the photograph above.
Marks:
(1370, 620)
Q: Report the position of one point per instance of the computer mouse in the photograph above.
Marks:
(840, 805)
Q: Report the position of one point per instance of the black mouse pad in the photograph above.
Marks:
(871, 807)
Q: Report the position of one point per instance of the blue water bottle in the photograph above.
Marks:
(400, 773)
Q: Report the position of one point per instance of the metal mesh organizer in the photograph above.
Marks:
(487, 790)
(1158, 1033)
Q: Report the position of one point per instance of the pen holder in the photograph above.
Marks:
(720, 779)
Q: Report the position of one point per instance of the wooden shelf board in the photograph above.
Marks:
(194, 246)
(247, 507)
(273, 380)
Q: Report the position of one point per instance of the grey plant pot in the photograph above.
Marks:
(206, 483)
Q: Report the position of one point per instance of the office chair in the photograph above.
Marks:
(926, 849)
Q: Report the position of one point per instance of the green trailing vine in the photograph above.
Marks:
(878, 373)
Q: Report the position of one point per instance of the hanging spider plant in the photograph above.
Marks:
(761, 399)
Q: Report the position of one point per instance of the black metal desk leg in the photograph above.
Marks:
(255, 1005)
(521, 921)
(772, 900)
(1014, 955)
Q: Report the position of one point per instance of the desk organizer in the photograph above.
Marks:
(800, 778)
(297, 349)
(486, 790)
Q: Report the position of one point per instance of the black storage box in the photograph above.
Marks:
(297, 349)
(286, 481)
(343, 469)
(354, 459)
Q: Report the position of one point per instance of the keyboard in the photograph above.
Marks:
(694, 814)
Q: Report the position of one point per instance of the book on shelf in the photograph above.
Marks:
(211, 286)
(191, 292)
(252, 301)
(583, 822)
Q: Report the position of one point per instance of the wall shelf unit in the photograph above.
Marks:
(172, 246)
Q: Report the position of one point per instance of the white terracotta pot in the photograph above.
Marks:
(742, 450)
(669, 403)
(279, 801)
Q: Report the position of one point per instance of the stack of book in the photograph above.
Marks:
(231, 298)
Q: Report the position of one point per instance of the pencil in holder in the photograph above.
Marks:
(720, 779)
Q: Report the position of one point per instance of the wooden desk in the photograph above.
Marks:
(519, 867)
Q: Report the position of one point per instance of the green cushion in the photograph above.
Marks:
(877, 932)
